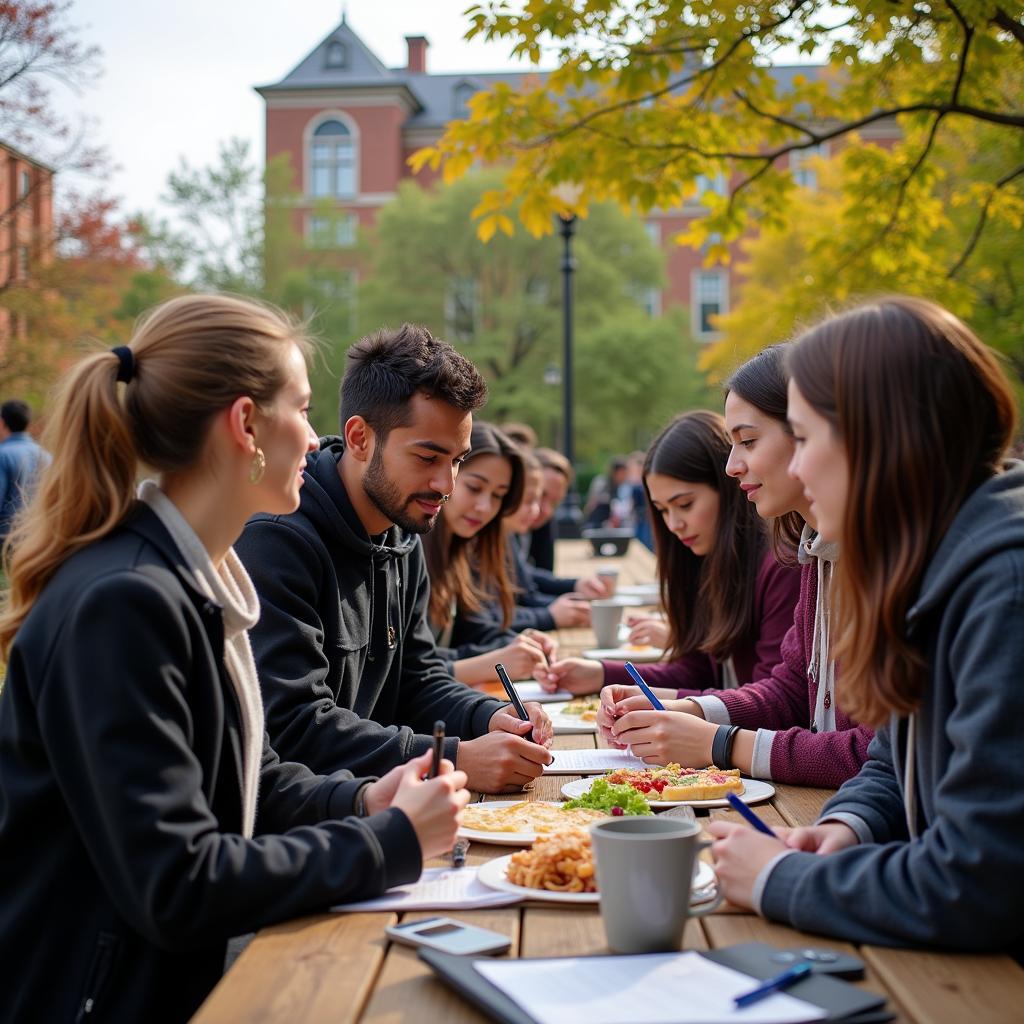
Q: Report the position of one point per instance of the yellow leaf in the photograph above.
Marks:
(487, 228)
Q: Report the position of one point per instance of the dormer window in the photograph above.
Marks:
(335, 56)
(463, 93)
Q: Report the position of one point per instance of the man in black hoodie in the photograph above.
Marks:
(346, 659)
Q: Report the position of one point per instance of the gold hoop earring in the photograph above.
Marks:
(258, 467)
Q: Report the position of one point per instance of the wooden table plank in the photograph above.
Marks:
(577, 931)
(312, 969)
(799, 805)
(406, 989)
(938, 987)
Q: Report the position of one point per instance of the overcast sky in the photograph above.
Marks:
(178, 76)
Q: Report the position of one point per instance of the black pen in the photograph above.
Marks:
(513, 696)
(435, 765)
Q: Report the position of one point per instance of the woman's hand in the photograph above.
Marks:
(577, 675)
(608, 713)
(431, 805)
(569, 611)
(545, 641)
(521, 658)
(505, 719)
(740, 854)
(663, 736)
(595, 586)
(652, 631)
(821, 839)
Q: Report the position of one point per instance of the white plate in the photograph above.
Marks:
(624, 654)
(503, 838)
(493, 873)
(754, 791)
(648, 590)
(568, 725)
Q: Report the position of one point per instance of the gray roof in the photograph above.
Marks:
(436, 95)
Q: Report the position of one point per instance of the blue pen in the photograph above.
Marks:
(647, 691)
(739, 806)
(776, 984)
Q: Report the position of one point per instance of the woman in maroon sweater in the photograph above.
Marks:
(786, 726)
(729, 602)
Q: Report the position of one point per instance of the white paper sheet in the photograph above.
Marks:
(663, 988)
(437, 889)
(581, 762)
(532, 690)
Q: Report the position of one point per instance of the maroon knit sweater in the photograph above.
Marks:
(776, 591)
(784, 701)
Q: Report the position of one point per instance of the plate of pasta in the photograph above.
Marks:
(560, 869)
(521, 822)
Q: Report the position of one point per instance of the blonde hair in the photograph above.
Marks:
(193, 356)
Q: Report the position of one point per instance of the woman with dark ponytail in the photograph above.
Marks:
(143, 818)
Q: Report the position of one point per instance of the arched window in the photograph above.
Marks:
(335, 55)
(461, 96)
(332, 162)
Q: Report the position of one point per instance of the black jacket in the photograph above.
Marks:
(122, 868)
(350, 674)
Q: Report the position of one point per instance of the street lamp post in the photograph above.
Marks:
(569, 516)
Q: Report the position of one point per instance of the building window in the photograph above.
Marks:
(22, 260)
(335, 56)
(653, 229)
(333, 232)
(705, 184)
(332, 161)
(650, 301)
(460, 309)
(461, 96)
(803, 175)
(24, 184)
(710, 299)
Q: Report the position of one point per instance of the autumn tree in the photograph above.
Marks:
(500, 303)
(39, 50)
(648, 95)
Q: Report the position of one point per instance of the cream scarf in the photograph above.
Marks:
(822, 668)
(231, 589)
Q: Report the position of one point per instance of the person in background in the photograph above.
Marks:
(598, 509)
(544, 601)
(21, 461)
(472, 596)
(350, 671)
(789, 726)
(729, 602)
(902, 419)
(558, 477)
(521, 434)
(143, 817)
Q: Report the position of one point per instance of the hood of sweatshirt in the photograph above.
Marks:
(991, 520)
(326, 502)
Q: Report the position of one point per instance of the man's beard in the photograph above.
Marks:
(388, 500)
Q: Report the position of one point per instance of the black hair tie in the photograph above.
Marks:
(126, 361)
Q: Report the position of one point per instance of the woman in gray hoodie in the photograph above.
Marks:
(903, 419)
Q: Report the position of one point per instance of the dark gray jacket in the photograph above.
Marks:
(350, 674)
(957, 884)
(122, 868)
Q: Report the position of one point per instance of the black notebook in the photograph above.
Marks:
(841, 1001)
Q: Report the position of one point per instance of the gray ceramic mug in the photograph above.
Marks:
(605, 616)
(644, 875)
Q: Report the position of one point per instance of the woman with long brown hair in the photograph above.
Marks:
(144, 819)
(902, 419)
(728, 601)
(786, 726)
(472, 596)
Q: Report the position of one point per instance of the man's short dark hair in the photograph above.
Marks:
(386, 369)
(16, 415)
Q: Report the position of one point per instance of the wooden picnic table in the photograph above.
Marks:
(341, 968)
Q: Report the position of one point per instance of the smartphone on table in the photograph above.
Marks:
(449, 936)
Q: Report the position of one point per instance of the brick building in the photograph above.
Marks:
(26, 220)
(349, 125)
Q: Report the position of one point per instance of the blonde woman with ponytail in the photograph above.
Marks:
(143, 818)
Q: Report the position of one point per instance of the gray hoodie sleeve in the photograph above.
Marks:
(955, 885)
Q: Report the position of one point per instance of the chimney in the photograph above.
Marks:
(417, 62)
